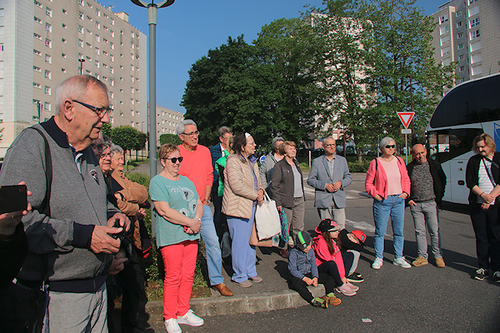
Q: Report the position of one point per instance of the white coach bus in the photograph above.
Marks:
(467, 110)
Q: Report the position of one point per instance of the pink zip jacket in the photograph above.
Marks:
(320, 248)
(376, 179)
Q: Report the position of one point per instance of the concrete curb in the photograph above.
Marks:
(220, 305)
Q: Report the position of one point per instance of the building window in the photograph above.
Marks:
(48, 75)
(112, 33)
(459, 24)
(37, 36)
(97, 38)
(97, 51)
(48, 42)
(97, 64)
(48, 11)
(46, 90)
(81, 16)
(63, 55)
(64, 11)
(36, 85)
(475, 34)
(97, 12)
(460, 35)
(472, 1)
(459, 13)
(461, 69)
(111, 70)
(80, 43)
(112, 21)
(37, 69)
(97, 25)
(46, 106)
(88, 31)
(63, 70)
(461, 46)
(112, 58)
(37, 20)
(48, 27)
(63, 40)
(461, 57)
(48, 58)
(80, 29)
(64, 26)
(89, 18)
(443, 19)
(38, 4)
(81, 2)
(88, 44)
(112, 45)
(474, 22)
(36, 52)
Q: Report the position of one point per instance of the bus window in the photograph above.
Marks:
(447, 144)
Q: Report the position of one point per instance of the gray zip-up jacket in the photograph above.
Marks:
(77, 204)
(266, 172)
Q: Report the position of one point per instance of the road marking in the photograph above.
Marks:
(362, 225)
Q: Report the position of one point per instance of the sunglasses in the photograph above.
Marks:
(175, 159)
(101, 112)
(390, 146)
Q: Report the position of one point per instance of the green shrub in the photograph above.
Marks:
(358, 167)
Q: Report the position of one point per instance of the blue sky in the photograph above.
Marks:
(188, 29)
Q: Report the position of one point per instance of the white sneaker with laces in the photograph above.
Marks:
(401, 262)
(377, 263)
(353, 287)
(190, 319)
(172, 326)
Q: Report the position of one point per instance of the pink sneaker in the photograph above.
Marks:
(346, 290)
(353, 287)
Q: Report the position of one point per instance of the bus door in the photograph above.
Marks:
(453, 148)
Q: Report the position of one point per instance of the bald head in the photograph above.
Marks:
(419, 153)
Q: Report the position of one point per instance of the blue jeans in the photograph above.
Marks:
(426, 213)
(243, 254)
(211, 241)
(394, 207)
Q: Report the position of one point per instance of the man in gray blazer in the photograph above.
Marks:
(330, 176)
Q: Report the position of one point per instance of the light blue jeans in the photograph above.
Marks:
(211, 241)
(243, 254)
(394, 207)
(427, 213)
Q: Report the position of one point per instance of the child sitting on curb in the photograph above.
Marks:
(350, 245)
(303, 271)
(329, 258)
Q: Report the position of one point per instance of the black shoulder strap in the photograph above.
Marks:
(45, 206)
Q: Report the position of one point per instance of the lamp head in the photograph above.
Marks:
(160, 4)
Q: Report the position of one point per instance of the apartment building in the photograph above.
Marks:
(167, 121)
(468, 32)
(43, 42)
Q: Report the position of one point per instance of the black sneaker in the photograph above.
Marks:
(355, 277)
(481, 274)
(496, 277)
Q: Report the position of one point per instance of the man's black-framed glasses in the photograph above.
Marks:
(192, 133)
(101, 112)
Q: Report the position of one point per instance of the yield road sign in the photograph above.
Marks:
(406, 118)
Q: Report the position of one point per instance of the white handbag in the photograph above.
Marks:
(267, 219)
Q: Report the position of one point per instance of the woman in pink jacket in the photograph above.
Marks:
(388, 183)
(329, 258)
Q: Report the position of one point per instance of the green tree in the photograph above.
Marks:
(402, 72)
(125, 137)
(142, 138)
(106, 129)
(170, 138)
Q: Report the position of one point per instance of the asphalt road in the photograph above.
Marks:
(392, 299)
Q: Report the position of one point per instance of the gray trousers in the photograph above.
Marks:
(78, 312)
(334, 213)
(295, 216)
(426, 213)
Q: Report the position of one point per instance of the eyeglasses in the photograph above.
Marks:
(101, 112)
(390, 146)
(329, 145)
(175, 159)
(192, 133)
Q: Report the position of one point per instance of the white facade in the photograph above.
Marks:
(41, 43)
(166, 121)
(467, 32)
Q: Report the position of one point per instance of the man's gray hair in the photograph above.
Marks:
(75, 87)
(276, 139)
(385, 141)
(223, 130)
(115, 149)
(182, 125)
(99, 145)
(329, 138)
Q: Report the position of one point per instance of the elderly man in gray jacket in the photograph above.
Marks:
(71, 225)
(330, 176)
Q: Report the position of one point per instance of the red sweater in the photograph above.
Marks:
(197, 166)
(376, 179)
(320, 247)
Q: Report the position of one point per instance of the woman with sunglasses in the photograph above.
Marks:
(388, 183)
(242, 192)
(177, 211)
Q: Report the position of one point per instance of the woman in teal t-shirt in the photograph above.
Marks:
(177, 211)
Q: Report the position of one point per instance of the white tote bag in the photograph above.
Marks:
(267, 219)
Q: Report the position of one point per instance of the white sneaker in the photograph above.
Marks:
(401, 262)
(172, 326)
(353, 287)
(377, 263)
(190, 319)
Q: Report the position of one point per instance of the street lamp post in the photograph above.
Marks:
(152, 9)
(81, 60)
